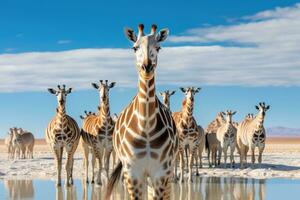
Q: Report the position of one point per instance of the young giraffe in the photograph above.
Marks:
(97, 132)
(145, 134)
(187, 131)
(226, 135)
(251, 133)
(166, 97)
(63, 132)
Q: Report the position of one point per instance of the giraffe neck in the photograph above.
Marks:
(166, 103)
(104, 110)
(259, 120)
(146, 102)
(61, 114)
(187, 111)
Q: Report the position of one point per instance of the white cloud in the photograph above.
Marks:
(271, 59)
(64, 41)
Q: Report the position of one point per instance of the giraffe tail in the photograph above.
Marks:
(113, 179)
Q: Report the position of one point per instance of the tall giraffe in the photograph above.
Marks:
(166, 97)
(145, 134)
(251, 133)
(63, 132)
(187, 131)
(97, 132)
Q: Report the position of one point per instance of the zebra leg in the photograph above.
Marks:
(181, 154)
(208, 158)
(219, 155)
(225, 155)
(232, 156)
(86, 162)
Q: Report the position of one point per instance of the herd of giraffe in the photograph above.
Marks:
(147, 138)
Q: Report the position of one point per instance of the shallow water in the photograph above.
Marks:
(208, 188)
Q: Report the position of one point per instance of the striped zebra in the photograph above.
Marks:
(251, 133)
(97, 132)
(226, 135)
(63, 132)
(145, 134)
(8, 144)
(25, 142)
(187, 131)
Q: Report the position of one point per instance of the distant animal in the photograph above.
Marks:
(25, 142)
(211, 141)
(63, 132)
(97, 131)
(226, 135)
(187, 131)
(8, 143)
(251, 133)
(166, 97)
(145, 134)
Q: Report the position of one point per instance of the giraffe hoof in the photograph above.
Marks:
(197, 174)
(93, 182)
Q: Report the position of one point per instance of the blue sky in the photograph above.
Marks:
(239, 52)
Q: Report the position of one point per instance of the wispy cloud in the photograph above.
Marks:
(64, 41)
(272, 59)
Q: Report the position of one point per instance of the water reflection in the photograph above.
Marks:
(203, 188)
(19, 189)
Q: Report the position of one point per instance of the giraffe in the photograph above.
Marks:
(187, 131)
(251, 133)
(166, 97)
(97, 132)
(211, 142)
(145, 134)
(226, 136)
(63, 132)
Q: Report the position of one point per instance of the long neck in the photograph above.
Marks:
(187, 110)
(61, 113)
(104, 110)
(259, 120)
(146, 100)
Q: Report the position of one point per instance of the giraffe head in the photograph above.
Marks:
(262, 108)
(146, 48)
(190, 92)
(103, 87)
(166, 97)
(229, 115)
(61, 93)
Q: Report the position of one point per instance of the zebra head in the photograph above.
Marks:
(61, 93)
(228, 114)
(146, 48)
(262, 108)
(103, 87)
(166, 97)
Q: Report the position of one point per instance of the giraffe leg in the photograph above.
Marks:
(261, 149)
(219, 155)
(99, 181)
(196, 157)
(191, 159)
(208, 158)
(86, 160)
(162, 189)
(68, 168)
(58, 155)
(231, 156)
(181, 154)
(225, 155)
(252, 155)
(93, 167)
(134, 186)
(107, 156)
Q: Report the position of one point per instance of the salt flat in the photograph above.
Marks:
(280, 160)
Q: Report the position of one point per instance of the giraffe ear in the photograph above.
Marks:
(183, 89)
(162, 35)
(223, 113)
(234, 113)
(161, 94)
(129, 33)
(197, 89)
(52, 91)
(95, 85)
(81, 117)
(112, 84)
(268, 107)
(257, 108)
(69, 90)
(173, 92)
